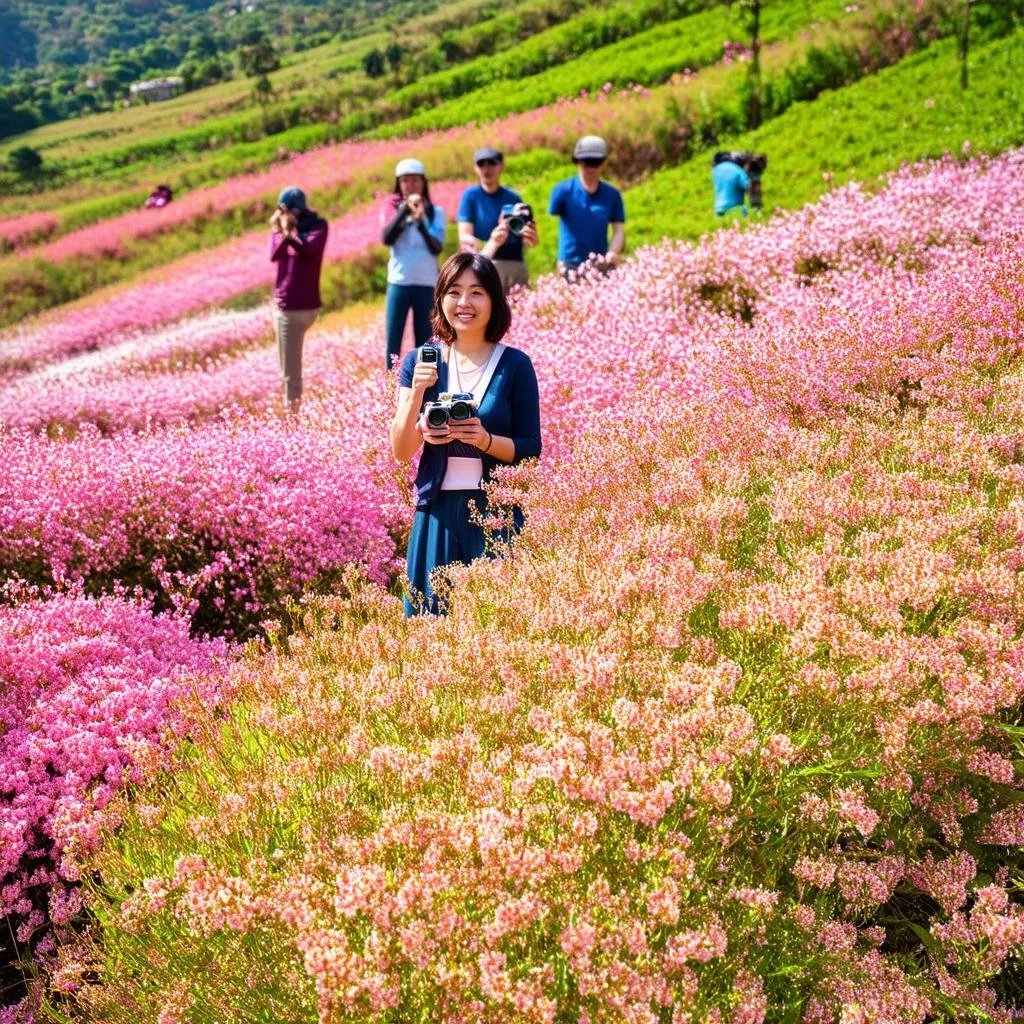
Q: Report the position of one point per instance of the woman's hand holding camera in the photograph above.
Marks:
(471, 431)
(283, 220)
(434, 435)
(415, 204)
(424, 375)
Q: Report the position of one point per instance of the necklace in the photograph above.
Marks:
(476, 375)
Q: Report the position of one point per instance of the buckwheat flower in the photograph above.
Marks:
(762, 900)
(781, 749)
(992, 766)
(701, 945)
(819, 872)
(578, 941)
(850, 807)
(945, 880)
(718, 792)
(751, 1000)
(175, 1005)
(663, 904)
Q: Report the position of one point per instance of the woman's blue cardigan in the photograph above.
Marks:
(510, 408)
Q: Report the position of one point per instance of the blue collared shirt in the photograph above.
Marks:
(482, 209)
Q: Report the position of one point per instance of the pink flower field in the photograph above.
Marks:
(192, 283)
(731, 734)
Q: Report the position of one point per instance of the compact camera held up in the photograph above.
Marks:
(449, 406)
(518, 217)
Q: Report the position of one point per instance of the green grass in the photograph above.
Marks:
(588, 33)
(908, 112)
(328, 82)
(184, 133)
(30, 288)
(646, 58)
(912, 110)
(905, 113)
(115, 185)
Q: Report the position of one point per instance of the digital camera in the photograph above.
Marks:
(517, 216)
(427, 354)
(753, 163)
(449, 406)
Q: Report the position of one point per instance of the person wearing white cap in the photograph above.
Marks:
(414, 228)
(587, 208)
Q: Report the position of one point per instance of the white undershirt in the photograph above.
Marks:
(463, 473)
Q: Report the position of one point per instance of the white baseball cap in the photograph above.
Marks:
(591, 147)
(409, 166)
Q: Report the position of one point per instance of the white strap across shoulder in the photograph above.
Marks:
(480, 388)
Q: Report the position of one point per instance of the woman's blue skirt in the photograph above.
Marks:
(442, 534)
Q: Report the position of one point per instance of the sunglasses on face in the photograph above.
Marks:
(488, 163)
(591, 161)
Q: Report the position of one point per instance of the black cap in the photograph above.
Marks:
(487, 153)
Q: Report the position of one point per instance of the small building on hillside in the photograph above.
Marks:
(157, 89)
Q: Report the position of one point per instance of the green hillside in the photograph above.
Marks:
(61, 61)
(896, 60)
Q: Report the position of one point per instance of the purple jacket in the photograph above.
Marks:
(298, 262)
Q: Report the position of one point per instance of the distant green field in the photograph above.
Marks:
(115, 183)
(710, 100)
(646, 58)
(913, 110)
(327, 76)
(908, 112)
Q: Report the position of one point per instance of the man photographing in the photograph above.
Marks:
(496, 216)
(587, 208)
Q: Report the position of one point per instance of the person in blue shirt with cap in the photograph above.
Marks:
(588, 207)
(481, 220)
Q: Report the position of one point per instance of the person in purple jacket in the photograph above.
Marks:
(297, 242)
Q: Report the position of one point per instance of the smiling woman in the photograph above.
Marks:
(473, 403)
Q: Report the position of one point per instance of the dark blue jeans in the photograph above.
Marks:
(400, 299)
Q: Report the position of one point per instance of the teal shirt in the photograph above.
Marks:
(731, 185)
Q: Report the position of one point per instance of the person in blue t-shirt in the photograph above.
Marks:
(481, 220)
(587, 208)
(731, 183)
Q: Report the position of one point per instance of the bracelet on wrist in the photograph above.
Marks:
(490, 441)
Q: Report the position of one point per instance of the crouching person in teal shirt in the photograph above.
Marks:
(466, 356)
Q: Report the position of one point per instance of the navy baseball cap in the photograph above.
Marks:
(292, 198)
(487, 153)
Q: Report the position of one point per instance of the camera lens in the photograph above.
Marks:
(437, 416)
(517, 225)
(461, 410)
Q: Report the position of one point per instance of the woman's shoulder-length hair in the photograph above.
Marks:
(490, 280)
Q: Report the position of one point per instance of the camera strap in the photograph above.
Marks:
(480, 389)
